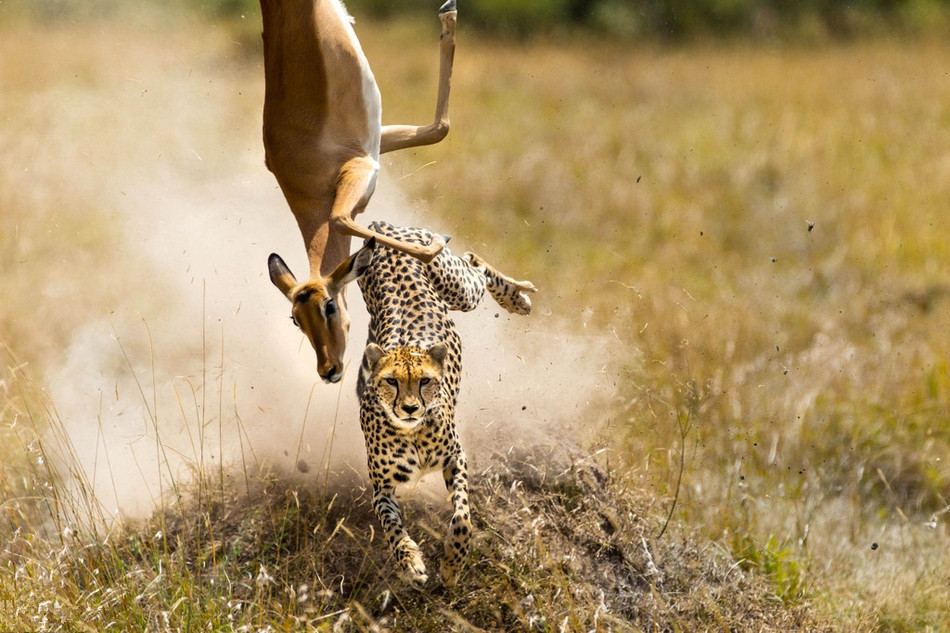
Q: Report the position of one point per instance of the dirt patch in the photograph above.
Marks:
(560, 545)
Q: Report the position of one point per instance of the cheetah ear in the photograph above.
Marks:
(373, 354)
(438, 352)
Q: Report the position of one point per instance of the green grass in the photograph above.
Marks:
(763, 251)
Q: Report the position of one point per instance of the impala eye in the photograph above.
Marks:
(329, 308)
(294, 319)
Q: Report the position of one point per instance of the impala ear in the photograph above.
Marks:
(280, 274)
(351, 267)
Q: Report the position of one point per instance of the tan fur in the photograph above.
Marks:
(322, 140)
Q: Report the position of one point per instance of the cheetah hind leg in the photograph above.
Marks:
(510, 294)
(409, 559)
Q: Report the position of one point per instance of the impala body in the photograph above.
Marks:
(323, 136)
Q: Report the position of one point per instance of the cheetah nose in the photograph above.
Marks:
(410, 408)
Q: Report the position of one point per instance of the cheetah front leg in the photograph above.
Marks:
(407, 553)
(455, 473)
(509, 293)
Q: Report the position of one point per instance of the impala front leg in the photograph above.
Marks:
(401, 136)
(355, 185)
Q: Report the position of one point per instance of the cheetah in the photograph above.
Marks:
(409, 382)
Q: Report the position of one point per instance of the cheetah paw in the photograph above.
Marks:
(411, 565)
(518, 303)
(509, 293)
(450, 574)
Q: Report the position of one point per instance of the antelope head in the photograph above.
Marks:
(317, 308)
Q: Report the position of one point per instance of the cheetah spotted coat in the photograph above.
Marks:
(409, 302)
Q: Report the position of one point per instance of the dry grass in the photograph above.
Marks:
(759, 232)
(561, 545)
(763, 249)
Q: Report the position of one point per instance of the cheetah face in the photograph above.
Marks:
(407, 381)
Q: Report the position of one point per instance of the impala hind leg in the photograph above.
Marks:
(355, 186)
(509, 293)
(401, 136)
(459, 534)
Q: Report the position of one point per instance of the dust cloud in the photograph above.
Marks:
(194, 365)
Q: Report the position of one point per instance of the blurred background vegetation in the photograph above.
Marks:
(759, 230)
(661, 20)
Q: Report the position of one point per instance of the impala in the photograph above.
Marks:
(323, 135)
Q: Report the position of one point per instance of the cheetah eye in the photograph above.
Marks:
(392, 382)
(424, 381)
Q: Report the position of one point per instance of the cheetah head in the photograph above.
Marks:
(407, 381)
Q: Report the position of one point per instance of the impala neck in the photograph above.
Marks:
(325, 247)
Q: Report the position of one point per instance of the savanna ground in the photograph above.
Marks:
(752, 238)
